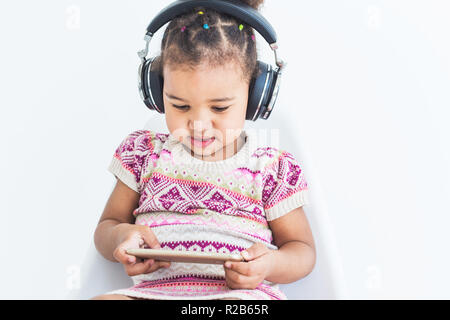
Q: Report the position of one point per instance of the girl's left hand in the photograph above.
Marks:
(249, 274)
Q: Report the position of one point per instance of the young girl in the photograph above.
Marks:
(206, 186)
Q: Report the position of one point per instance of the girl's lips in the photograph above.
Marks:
(202, 143)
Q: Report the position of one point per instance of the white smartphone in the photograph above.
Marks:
(185, 256)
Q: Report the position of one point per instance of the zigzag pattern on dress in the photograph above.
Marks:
(179, 269)
(204, 217)
(207, 219)
(199, 246)
(200, 233)
(208, 232)
(240, 182)
(197, 285)
(192, 287)
(202, 246)
(191, 199)
(198, 189)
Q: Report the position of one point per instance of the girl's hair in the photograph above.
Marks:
(205, 35)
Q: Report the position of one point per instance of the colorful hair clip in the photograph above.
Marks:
(253, 37)
(205, 26)
(183, 28)
(200, 12)
(241, 26)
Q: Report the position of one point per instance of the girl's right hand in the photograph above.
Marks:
(132, 236)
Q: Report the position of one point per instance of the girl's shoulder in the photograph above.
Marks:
(274, 159)
(264, 156)
(143, 141)
(135, 157)
(284, 182)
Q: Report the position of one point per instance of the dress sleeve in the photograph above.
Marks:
(130, 158)
(285, 187)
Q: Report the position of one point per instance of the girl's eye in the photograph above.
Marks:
(181, 107)
(220, 109)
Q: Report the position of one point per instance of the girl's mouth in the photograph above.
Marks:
(202, 142)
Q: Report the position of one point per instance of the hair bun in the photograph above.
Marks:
(255, 4)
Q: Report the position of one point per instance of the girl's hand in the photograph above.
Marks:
(249, 274)
(133, 236)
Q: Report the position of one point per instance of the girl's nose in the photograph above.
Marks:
(200, 126)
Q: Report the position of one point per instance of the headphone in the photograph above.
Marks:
(263, 90)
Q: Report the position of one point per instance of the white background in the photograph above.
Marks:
(367, 89)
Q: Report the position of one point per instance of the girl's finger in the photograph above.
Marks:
(157, 265)
(255, 251)
(131, 259)
(235, 276)
(164, 264)
(120, 255)
(236, 280)
(120, 252)
(139, 267)
(150, 238)
(244, 268)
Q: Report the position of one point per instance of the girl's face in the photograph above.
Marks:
(207, 104)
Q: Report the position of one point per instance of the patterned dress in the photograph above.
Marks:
(194, 205)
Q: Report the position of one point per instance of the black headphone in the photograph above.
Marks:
(263, 90)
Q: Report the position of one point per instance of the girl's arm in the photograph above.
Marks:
(118, 210)
(296, 255)
(117, 232)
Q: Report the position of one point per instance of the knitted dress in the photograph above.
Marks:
(195, 205)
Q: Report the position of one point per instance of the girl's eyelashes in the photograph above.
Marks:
(181, 107)
(218, 109)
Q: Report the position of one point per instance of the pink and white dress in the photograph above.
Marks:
(194, 205)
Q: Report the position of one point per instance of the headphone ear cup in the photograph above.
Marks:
(143, 85)
(153, 85)
(260, 91)
(157, 84)
(251, 104)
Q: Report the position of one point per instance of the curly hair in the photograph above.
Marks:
(186, 43)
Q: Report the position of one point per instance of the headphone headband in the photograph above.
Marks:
(236, 9)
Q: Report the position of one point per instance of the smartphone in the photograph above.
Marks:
(185, 256)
